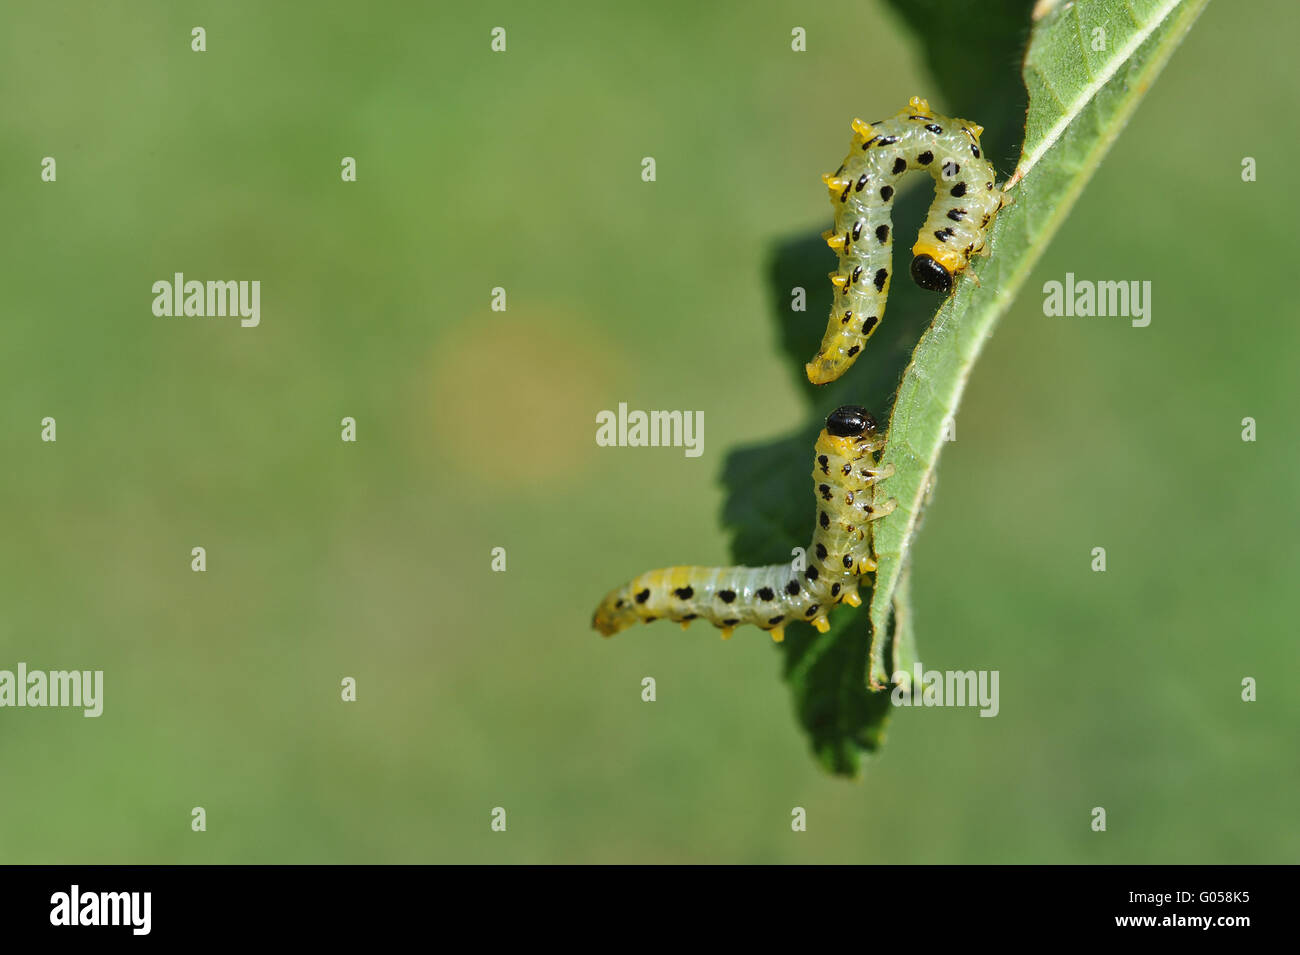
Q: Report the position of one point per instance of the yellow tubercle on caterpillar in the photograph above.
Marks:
(821, 623)
(865, 130)
(838, 280)
(836, 187)
(864, 566)
(834, 239)
(918, 105)
(778, 634)
(726, 632)
(852, 599)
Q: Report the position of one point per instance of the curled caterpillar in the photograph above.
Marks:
(844, 473)
(862, 193)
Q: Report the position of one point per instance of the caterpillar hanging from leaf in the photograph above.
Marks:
(862, 194)
(845, 472)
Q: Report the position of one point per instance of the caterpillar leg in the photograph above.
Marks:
(883, 510)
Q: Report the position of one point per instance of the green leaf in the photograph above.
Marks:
(1078, 102)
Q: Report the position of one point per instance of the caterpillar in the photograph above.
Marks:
(845, 471)
(862, 194)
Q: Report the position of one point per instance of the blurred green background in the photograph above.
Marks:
(476, 430)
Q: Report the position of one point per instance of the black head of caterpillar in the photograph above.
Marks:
(862, 193)
(845, 472)
(930, 275)
(849, 421)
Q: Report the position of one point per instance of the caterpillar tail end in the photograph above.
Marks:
(616, 613)
(604, 626)
(825, 368)
(820, 371)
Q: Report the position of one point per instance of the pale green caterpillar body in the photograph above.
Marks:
(862, 194)
(845, 472)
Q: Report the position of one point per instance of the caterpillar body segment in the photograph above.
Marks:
(845, 471)
(862, 194)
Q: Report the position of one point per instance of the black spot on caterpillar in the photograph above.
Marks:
(845, 467)
(880, 154)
